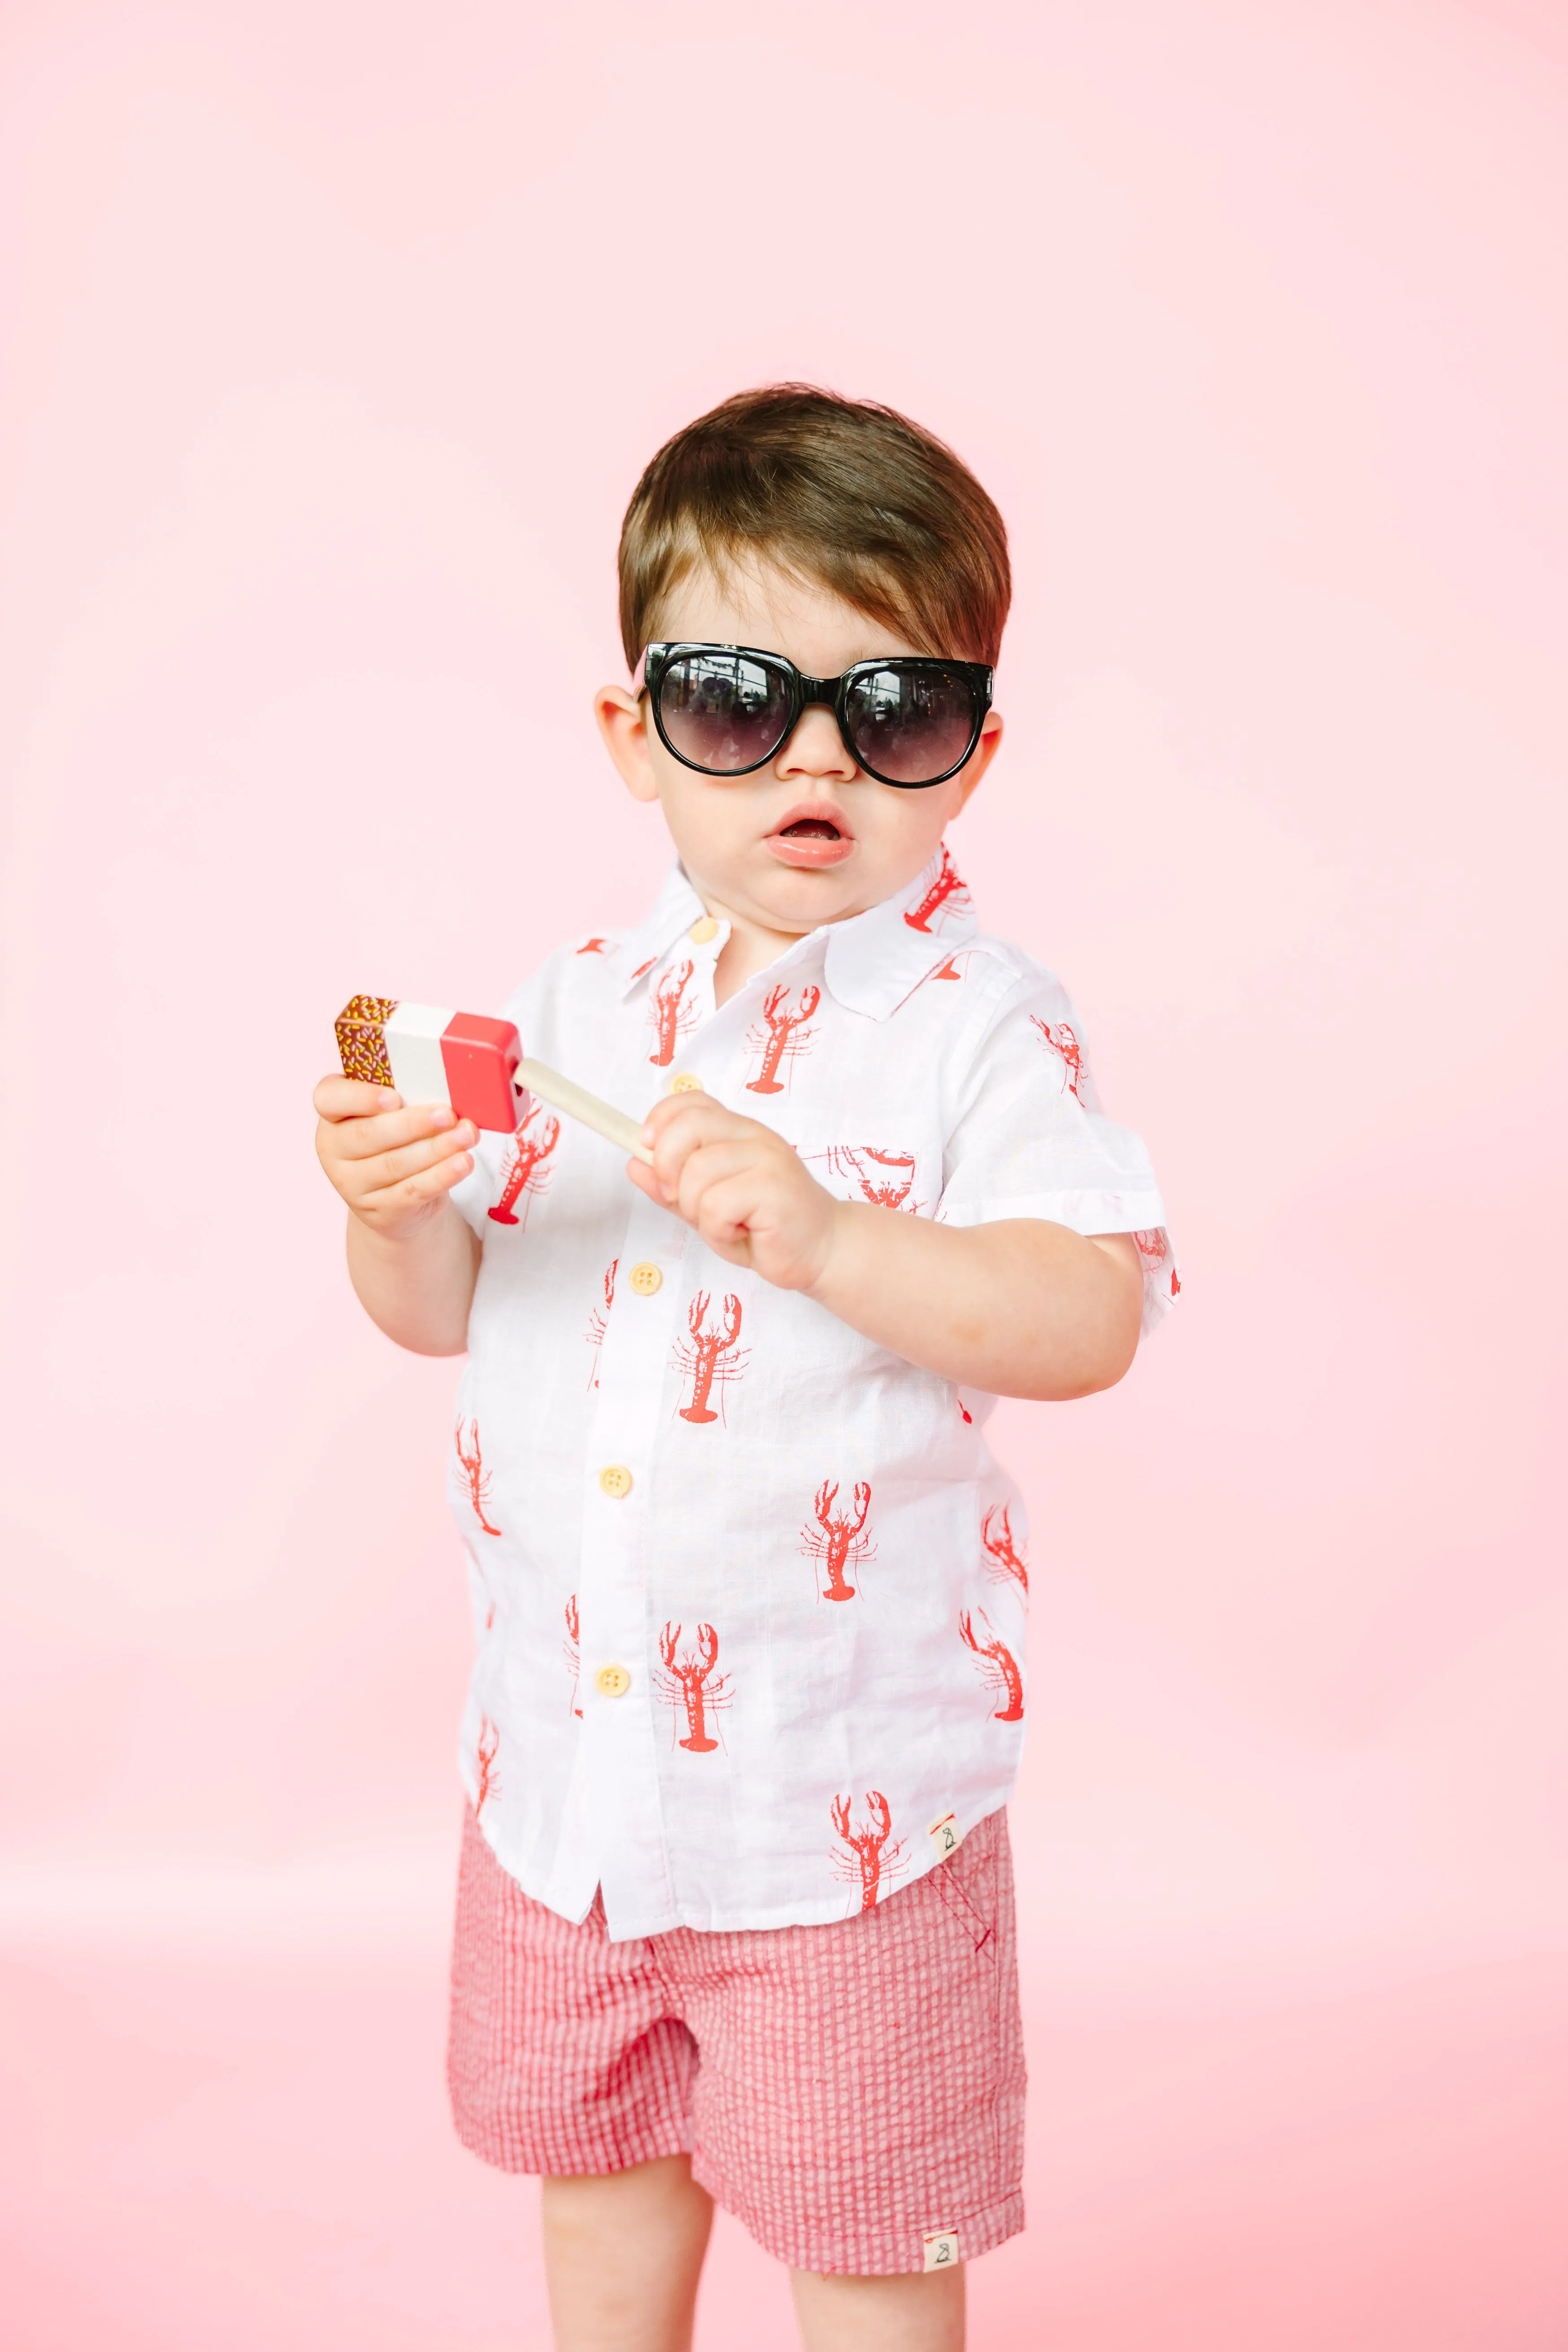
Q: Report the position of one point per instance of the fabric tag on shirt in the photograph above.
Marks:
(942, 2250)
(946, 1836)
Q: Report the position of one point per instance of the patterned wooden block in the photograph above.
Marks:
(361, 1039)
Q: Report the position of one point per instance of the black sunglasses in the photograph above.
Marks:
(908, 720)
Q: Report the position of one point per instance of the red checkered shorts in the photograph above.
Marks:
(853, 2093)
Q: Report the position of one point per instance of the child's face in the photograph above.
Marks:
(810, 838)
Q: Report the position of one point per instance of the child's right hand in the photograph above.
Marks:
(394, 1166)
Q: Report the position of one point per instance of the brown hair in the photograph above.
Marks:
(846, 492)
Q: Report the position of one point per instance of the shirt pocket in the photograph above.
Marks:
(890, 1171)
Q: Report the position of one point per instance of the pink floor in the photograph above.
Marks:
(254, 2153)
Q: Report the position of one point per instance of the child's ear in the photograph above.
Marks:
(625, 730)
(980, 759)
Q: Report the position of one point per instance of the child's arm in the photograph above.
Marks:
(1022, 1308)
(412, 1259)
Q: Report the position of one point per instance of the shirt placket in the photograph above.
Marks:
(702, 946)
(623, 1720)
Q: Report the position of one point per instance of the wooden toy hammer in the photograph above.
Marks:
(432, 1055)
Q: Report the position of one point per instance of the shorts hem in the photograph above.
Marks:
(979, 2233)
(563, 2160)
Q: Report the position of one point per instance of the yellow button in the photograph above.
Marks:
(703, 929)
(613, 1681)
(645, 1278)
(685, 1082)
(615, 1479)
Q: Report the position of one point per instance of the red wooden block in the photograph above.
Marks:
(480, 1058)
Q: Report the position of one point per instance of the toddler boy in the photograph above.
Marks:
(735, 1911)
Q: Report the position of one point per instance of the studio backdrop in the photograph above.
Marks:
(336, 337)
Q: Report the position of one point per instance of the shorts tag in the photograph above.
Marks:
(947, 1837)
(942, 2250)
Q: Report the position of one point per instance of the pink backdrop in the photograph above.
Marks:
(337, 334)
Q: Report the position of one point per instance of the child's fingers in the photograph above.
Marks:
(391, 1130)
(681, 1119)
(673, 1172)
(711, 1164)
(413, 1192)
(680, 1181)
(360, 1176)
(339, 1098)
(384, 1170)
(643, 1177)
(704, 1126)
(727, 1213)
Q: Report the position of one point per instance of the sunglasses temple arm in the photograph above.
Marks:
(564, 1094)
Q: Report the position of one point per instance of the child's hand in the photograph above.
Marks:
(741, 1186)
(394, 1166)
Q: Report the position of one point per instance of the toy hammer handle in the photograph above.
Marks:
(564, 1094)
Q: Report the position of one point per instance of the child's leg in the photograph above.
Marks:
(914, 2311)
(623, 2252)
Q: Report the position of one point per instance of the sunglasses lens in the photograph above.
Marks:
(910, 723)
(723, 711)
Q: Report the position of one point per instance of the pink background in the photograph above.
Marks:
(336, 337)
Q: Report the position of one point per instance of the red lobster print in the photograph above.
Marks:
(671, 1018)
(948, 884)
(702, 1359)
(889, 1181)
(476, 1476)
(598, 1320)
(595, 947)
(1155, 1248)
(1007, 1562)
(777, 1039)
(571, 1653)
(1063, 1041)
(689, 1683)
(485, 1756)
(837, 1539)
(997, 1664)
(949, 970)
(874, 1858)
(528, 1174)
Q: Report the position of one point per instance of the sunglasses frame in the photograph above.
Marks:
(979, 677)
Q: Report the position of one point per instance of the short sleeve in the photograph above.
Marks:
(1030, 1141)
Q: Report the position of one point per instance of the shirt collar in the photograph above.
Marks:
(675, 910)
(875, 960)
(870, 962)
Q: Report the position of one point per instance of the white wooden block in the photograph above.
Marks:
(414, 1049)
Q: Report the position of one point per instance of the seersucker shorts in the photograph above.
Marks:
(853, 2093)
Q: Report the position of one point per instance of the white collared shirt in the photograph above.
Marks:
(750, 1591)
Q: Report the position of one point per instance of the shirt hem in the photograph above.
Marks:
(826, 1913)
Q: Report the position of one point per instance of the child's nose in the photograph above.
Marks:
(817, 748)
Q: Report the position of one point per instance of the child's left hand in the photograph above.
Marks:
(741, 1187)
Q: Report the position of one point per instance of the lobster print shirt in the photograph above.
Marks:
(750, 1592)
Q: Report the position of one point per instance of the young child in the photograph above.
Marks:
(735, 1915)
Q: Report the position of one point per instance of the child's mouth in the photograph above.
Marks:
(811, 837)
